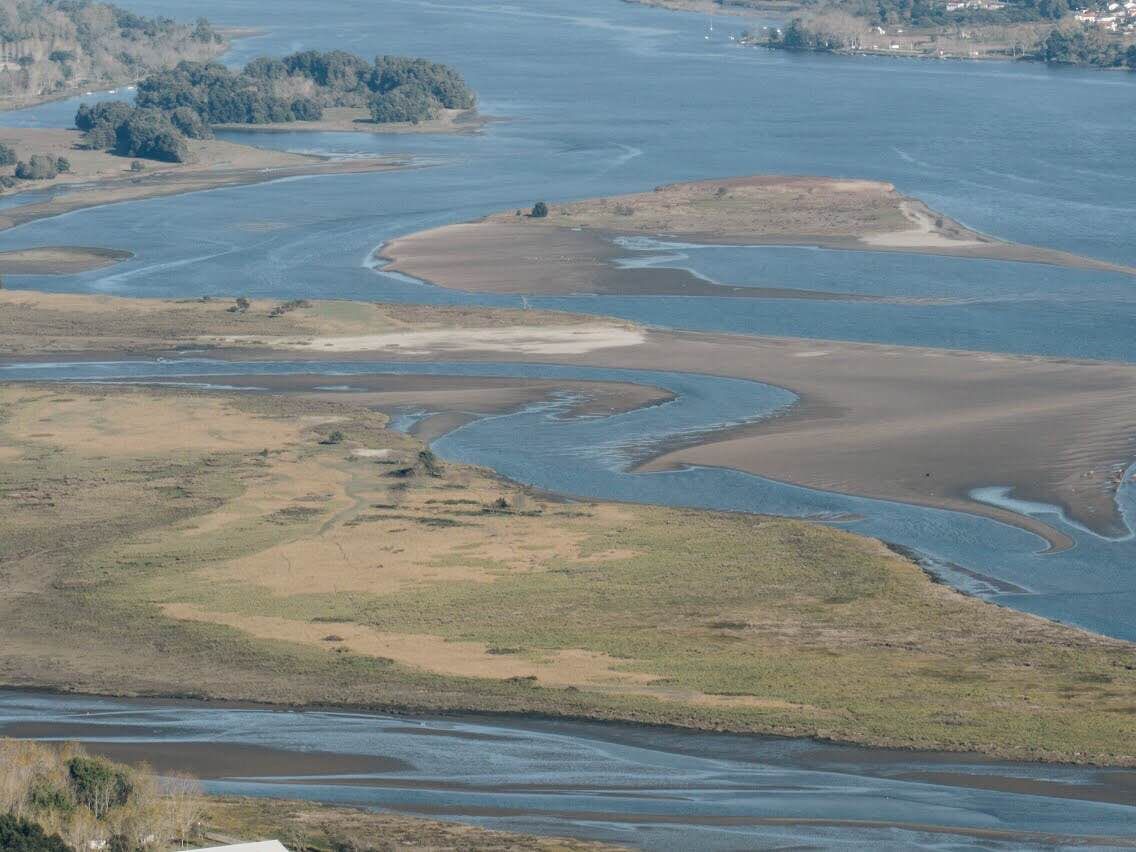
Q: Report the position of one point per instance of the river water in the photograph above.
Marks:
(604, 97)
(653, 788)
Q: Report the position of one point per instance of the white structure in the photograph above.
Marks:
(259, 846)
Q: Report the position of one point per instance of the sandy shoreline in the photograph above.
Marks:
(58, 260)
(916, 425)
(571, 251)
(891, 422)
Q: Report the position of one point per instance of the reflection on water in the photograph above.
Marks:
(659, 789)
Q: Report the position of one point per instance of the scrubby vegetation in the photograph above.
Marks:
(182, 103)
(300, 86)
(42, 167)
(1027, 29)
(49, 47)
(138, 132)
(55, 799)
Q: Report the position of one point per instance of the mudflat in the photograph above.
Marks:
(570, 250)
(58, 260)
(918, 425)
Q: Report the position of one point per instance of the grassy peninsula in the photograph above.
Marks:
(287, 547)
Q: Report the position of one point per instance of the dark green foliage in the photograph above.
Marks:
(540, 210)
(394, 88)
(7, 155)
(107, 112)
(1085, 46)
(411, 103)
(148, 133)
(98, 783)
(441, 82)
(306, 109)
(39, 167)
(21, 835)
(137, 165)
(61, 56)
(62, 165)
(189, 123)
(43, 797)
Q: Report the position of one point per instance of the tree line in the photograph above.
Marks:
(183, 102)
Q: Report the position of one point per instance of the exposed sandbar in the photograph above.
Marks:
(924, 426)
(569, 251)
(58, 260)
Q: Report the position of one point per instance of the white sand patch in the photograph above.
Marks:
(811, 353)
(528, 340)
(365, 453)
(922, 235)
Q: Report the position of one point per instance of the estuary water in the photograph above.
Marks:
(602, 97)
(652, 788)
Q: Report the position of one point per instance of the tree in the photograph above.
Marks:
(7, 155)
(98, 784)
(22, 835)
(62, 164)
(540, 210)
(189, 123)
(40, 167)
(406, 104)
(149, 133)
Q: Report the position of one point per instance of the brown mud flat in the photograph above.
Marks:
(58, 260)
(570, 251)
(914, 425)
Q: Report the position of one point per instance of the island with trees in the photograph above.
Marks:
(1100, 33)
(185, 102)
(56, 49)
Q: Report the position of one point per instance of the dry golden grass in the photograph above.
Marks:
(258, 563)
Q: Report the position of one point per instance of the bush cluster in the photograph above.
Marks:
(139, 132)
(55, 799)
(298, 88)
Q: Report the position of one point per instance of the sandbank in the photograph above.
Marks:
(917, 425)
(58, 260)
(570, 250)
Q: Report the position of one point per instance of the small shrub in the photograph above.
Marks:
(7, 155)
(39, 167)
(539, 210)
(137, 165)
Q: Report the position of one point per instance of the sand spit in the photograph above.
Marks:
(58, 260)
(570, 251)
(97, 177)
(527, 340)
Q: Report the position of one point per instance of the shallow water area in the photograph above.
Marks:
(653, 788)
